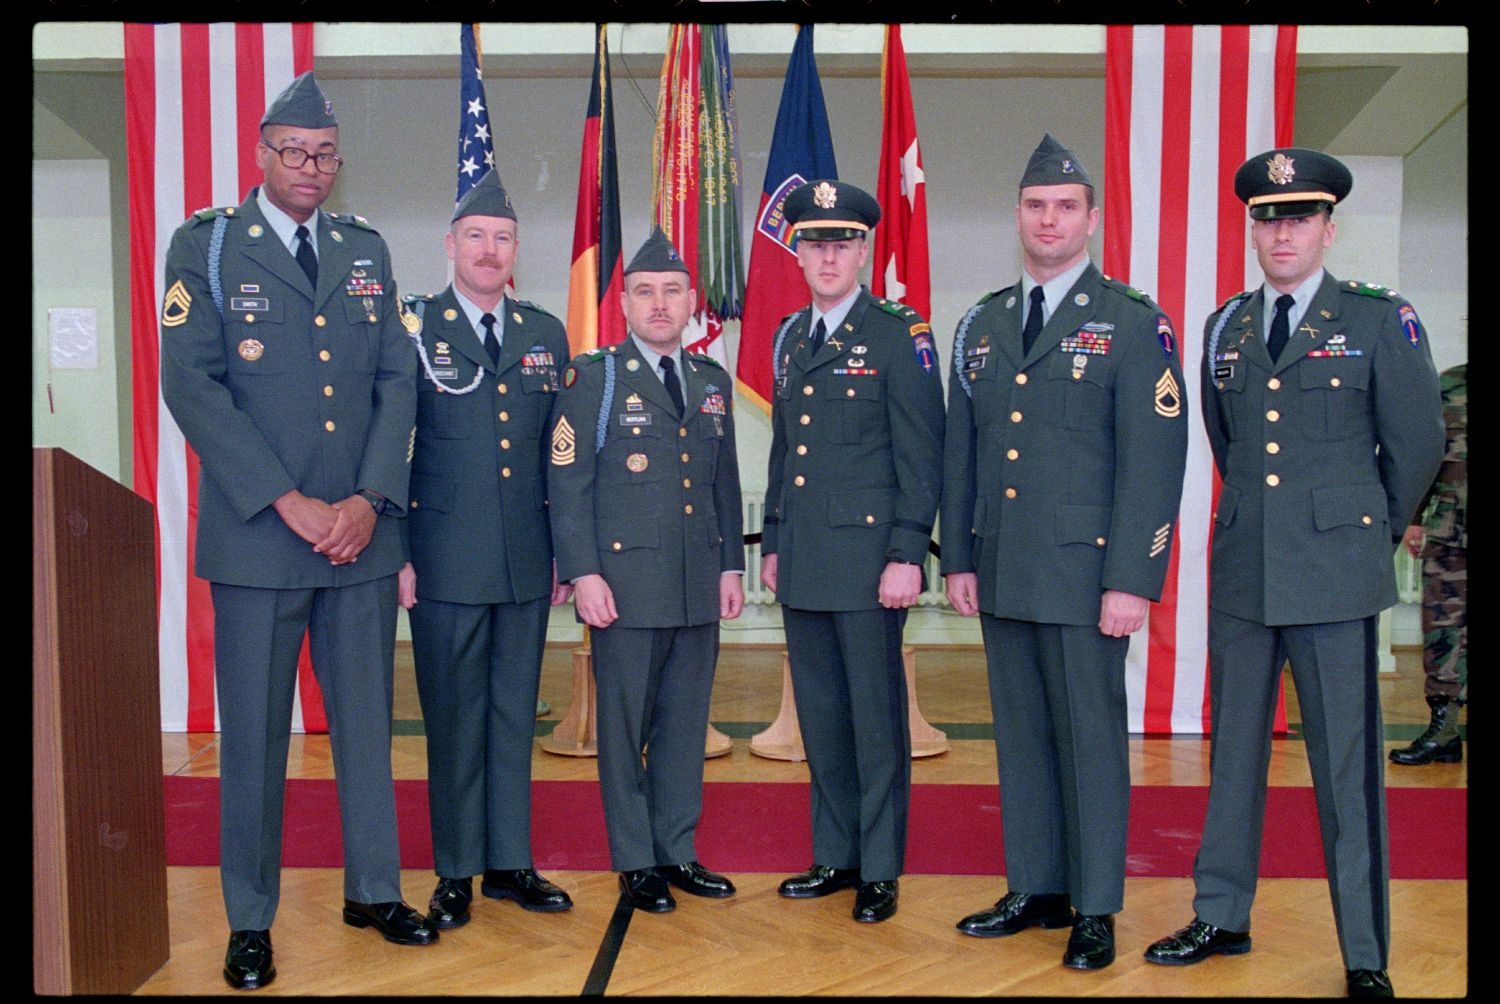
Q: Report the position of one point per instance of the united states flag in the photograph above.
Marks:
(1184, 107)
(194, 96)
(476, 146)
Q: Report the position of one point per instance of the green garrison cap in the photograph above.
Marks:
(486, 198)
(656, 255)
(1291, 181)
(303, 103)
(1052, 163)
(830, 210)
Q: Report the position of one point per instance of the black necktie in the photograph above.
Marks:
(819, 333)
(491, 343)
(1280, 325)
(674, 386)
(305, 256)
(1033, 321)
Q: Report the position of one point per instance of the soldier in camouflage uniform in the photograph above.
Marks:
(1445, 580)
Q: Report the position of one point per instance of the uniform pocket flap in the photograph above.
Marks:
(628, 536)
(867, 508)
(1355, 505)
(436, 494)
(1083, 524)
(1334, 373)
(860, 388)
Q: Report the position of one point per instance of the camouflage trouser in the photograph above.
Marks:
(1445, 622)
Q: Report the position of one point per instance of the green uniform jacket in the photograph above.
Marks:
(656, 508)
(286, 388)
(477, 531)
(856, 454)
(1310, 512)
(1063, 470)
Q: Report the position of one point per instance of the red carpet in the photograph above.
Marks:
(763, 827)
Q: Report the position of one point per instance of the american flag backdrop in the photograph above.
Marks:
(194, 95)
(1184, 107)
(476, 144)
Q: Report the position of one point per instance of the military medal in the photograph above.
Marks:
(251, 350)
(637, 462)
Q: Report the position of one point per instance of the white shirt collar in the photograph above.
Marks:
(284, 226)
(1054, 290)
(835, 315)
(1302, 298)
(653, 358)
(474, 312)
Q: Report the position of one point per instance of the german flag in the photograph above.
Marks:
(596, 279)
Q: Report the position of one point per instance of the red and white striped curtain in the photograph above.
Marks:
(1184, 107)
(194, 96)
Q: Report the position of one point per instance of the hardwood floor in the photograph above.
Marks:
(760, 944)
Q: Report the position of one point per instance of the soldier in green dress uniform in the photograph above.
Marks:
(284, 363)
(479, 574)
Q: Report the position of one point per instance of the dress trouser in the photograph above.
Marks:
(850, 688)
(1334, 667)
(257, 640)
(477, 669)
(652, 688)
(1058, 696)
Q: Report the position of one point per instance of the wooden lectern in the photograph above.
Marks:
(99, 875)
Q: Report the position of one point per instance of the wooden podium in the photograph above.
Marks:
(782, 739)
(99, 876)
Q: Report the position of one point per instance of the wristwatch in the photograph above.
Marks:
(377, 501)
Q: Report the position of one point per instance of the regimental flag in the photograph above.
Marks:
(900, 271)
(695, 194)
(801, 151)
(194, 96)
(1184, 107)
(595, 317)
(476, 146)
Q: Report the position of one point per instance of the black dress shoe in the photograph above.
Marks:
(247, 964)
(526, 887)
(449, 905)
(819, 880)
(1197, 942)
(1017, 911)
(694, 878)
(1092, 943)
(647, 891)
(1369, 983)
(875, 901)
(395, 921)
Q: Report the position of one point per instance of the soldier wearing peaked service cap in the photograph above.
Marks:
(480, 575)
(1322, 409)
(853, 484)
(1065, 451)
(645, 501)
(285, 364)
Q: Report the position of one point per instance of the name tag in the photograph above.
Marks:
(250, 304)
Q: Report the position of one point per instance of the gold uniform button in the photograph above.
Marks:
(1273, 447)
(799, 481)
(688, 508)
(1273, 415)
(505, 472)
(687, 482)
(328, 390)
(415, 504)
(685, 457)
(329, 425)
(1100, 541)
(805, 420)
(682, 433)
(373, 318)
(1020, 378)
(1220, 385)
(802, 450)
(504, 444)
(849, 392)
(1012, 454)
(1274, 383)
(324, 355)
(505, 416)
(1366, 520)
(615, 545)
(869, 517)
(1015, 416)
(1333, 382)
(1272, 480)
(1010, 493)
(320, 320)
(249, 318)
(807, 389)
(635, 431)
(500, 388)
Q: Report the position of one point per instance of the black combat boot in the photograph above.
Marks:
(1440, 743)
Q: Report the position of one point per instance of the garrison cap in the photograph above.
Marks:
(1290, 182)
(830, 210)
(656, 255)
(303, 103)
(1052, 163)
(486, 198)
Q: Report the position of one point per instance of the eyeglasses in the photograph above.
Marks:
(294, 157)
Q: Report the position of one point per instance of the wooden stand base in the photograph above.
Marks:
(783, 739)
